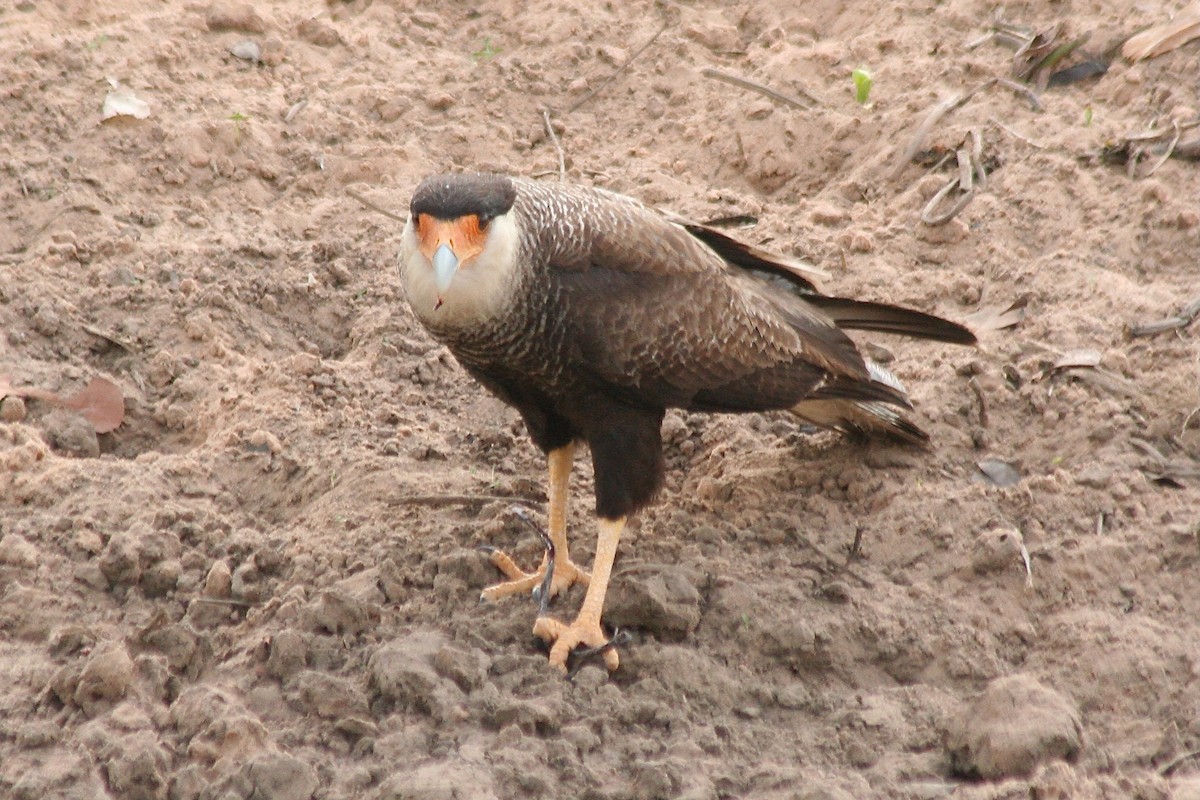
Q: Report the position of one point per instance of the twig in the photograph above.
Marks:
(222, 601)
(575, 106)
(1021, 88)
(1188, 420)
(1184, 318)
(562, 159)
(1170, 149)
(375, 207)
(1017, 134)
(855, 550)
(456, 499)
(108, 337)
(978, 390)
(766, 91)
(931, 119)
(1170, 766)
(832, 565)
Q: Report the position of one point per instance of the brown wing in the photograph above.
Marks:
(654, 314)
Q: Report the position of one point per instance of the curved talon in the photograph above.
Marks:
(584, 630)
(578, 659)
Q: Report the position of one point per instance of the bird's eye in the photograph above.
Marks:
(485, 220)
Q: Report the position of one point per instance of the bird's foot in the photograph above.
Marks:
(586, 631)
(565, 575)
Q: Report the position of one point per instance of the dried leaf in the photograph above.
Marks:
(247, 50)
(101, 403)
(997, 316)
(1077, 358)
(1000, 473)
(1164, 38)
(122, 102)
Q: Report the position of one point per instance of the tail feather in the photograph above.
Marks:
(871, 413)
(868, 316)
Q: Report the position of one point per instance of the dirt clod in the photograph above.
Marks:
(1015, 725)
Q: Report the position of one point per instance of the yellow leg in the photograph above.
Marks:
(565, 571)
(586, 628)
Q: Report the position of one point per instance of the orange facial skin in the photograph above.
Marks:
(464, 235)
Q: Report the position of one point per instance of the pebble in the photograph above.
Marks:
(225, 16)
(441, 780)
(71, 434)
(247, 50)
(12, 409)
(137, 767)
(278, 776)
(1015, 725)
(106, 676)
(17, 551)
(315, 30)
(338, 613)
(439, 101)
(401, 671)
(828, 214)
(997, 549)
(288, 654)
(952, 232)
(328, 696)
(660, 600)
(161, 578)
(186, 651)
(467, 668)
(120, 561)
(219, 582)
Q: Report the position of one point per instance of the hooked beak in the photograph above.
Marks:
(445, 264)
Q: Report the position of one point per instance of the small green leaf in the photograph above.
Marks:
(1087, 117)
(487, 52)
(862, 85)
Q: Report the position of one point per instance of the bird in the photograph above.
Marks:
(592, 313)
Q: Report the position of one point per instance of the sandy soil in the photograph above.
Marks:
(264, 583)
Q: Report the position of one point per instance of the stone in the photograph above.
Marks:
(288, 654)
(226, 16)
(328, 696)
(106, 676)
(660, 599)
(120, 562)
(70, 433)
(1016, 724)
(17, 551)
(278, 776)
(402, 672)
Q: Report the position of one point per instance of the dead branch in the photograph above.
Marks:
(1184, 318)
(744, 83)
(562, 160)
(575, 106)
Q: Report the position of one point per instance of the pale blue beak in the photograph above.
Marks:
(445, 264)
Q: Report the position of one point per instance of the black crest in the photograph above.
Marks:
(452, 196)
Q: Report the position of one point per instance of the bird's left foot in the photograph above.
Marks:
(564, 638)
(564, 575)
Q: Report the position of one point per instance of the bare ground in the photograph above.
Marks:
(263, 584)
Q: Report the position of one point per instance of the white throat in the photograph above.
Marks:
(481, 289)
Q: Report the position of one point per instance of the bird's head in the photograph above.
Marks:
(459, 247)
